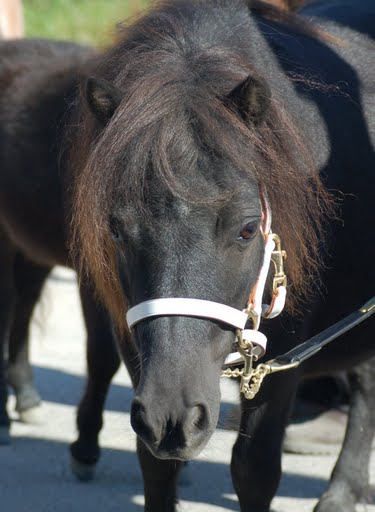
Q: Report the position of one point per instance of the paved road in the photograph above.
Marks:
(34, 469)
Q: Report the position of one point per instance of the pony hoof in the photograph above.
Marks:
(4, 435)
(27, 398)
(32, 416)
(333, 503)
(84, 472)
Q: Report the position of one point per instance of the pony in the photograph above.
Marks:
(37, 83)
(201, 111)
(166, 155)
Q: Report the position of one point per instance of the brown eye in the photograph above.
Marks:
(249, 231)
(114, 230)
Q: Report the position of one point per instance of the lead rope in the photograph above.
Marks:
(252, 378)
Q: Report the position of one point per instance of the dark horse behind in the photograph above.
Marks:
(154, 159)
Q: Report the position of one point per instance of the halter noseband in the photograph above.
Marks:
(199, 308)
(246, 338)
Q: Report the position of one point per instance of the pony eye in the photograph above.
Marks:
(249, 231)
(114, 229)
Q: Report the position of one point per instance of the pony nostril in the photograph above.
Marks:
(137, 411)
(199, 417)
(138, 419)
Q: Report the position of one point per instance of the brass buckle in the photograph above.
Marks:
(251, 378)
(278, 257)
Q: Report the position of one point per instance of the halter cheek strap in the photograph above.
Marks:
(255, 299)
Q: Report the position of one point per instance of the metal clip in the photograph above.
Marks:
(252, 315)
(275, 366)
(248, 355)
(252, 383)
(277, 258)
(248, 369)
(244, 345)
(369, 306)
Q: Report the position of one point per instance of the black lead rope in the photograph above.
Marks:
(252, 378)
(316, 343)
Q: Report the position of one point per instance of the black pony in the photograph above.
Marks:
(38, 81)
(161, 165)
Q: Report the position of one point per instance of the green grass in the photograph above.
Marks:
(85, 21)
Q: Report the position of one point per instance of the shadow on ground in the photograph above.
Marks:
(40, 467)
(39, 470)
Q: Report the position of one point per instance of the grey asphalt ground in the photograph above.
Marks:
(34, 469)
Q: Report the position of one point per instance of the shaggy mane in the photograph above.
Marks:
(172, 112)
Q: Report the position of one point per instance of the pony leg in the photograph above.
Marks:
(29, 279)
(159, 476)
(256, 458)
(7, 297)
(160, 480)
(103, 362)
(350, 477)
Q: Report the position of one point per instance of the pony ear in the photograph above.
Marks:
(102, 98)
(252, 99)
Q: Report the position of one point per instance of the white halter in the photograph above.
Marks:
(222, 313)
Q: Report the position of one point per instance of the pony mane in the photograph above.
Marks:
(173, 110)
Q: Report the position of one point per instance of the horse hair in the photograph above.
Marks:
(168, 82)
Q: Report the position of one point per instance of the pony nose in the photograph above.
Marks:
(169, 433)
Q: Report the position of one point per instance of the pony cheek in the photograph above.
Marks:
(126, 279)
(221, 345)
